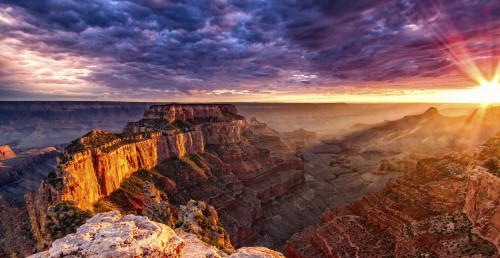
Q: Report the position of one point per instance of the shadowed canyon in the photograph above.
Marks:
(249, 180)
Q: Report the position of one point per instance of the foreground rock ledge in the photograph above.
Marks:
(112, 235)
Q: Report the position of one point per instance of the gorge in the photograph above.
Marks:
(294, 192)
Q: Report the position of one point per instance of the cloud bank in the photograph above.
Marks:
(152, 49)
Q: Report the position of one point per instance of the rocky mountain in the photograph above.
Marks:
(446, 207)
(430, 132)
(202, 152)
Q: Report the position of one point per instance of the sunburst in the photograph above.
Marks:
(488, 92)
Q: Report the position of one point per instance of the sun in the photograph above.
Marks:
(488, 92)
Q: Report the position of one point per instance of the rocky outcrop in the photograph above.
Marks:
(197, 124)
(6, 152)
(155, 205)
(201, 152)
(111, 235)
(202, 220)
(247, 252)
(482, 207)
(95, 165)
(445, 208)
(183, 112)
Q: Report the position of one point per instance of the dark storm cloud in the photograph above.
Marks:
(239, 44)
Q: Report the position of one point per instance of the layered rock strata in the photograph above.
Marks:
(187, 152)
(23, 173)
(445, 208)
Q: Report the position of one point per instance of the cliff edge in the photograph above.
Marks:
(202, 152)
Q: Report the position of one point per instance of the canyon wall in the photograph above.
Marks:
(203, 152)
(38, 124)
(95, 165)
(446, 207)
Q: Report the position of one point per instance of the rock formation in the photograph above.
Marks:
(202, 220)
(202, 152)
(155, 205)
(429, 132)
(247, 252)
(24, 173)
(38, 124)
(15, 236)
(445, 208)
(95, 165)
(113, 235)
(6, 152)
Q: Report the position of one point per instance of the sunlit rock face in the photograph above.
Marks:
(197, 125)
(95, 165)
(95, 172)
(207, 154)
(247, 252)
(446, 207)
(111, 235)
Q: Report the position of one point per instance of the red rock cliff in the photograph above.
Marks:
(179, 112)
(238, 176)
(96, 164)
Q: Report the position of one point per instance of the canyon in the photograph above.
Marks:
(296, 190)
(112, 235)
(445, 207)
(202, 152)
(22, 173)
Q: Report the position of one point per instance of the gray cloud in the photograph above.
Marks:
(186, 46)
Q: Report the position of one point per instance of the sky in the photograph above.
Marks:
(250, 50)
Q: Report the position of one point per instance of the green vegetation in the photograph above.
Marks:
(98, 139)
(128, 198)
(184, 126)
(54, 180)
(211, 231)
(155, 124)
(64, 218)
(74, 147)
